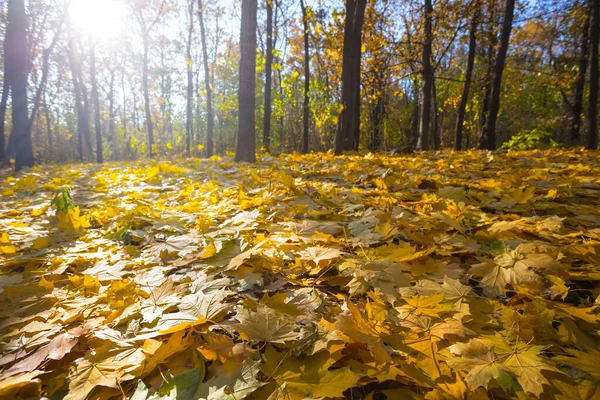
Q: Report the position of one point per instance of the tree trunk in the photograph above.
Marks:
(493, 39)
(435, 133)
(268, 78)
(246, 140)
(423, 142)
(83, 123)
(580, 83)
(378, 115)
(48, 120)
(96, 99)
(3, 105)
(414, 125)
(147, 108)
(462, 107)
(189, 121)
(498, 71)
(306, 104)
(592, 138)
(112, 133)
(16, 54)
(347, 136)
(210, 123)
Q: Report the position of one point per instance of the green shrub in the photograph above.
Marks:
(534, 139)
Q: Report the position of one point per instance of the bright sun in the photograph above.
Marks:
(101, 19)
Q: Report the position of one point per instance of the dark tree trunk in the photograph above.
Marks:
(423, 142)
(96, 99)
(246, 140)
(16, 55)
(189, 121)
(210, 123)
(268, 78)
(305, 106)
(347, 136)
(462, 107)
(592, 138)
(147, 109)
(580, 83)
(491, 50)
(498, 71)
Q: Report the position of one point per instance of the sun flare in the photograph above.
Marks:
(100, 19)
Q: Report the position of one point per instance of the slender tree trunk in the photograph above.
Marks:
(592, 138)
(48, 120)
(96, 99)
(3, 105)
(112, 132)
(491, 50)
(378, 114)
(210, 123)
(16, 54)
(268, 78)
(423, 142)
(82, 118)
(498, 71)
(305, 107)
(347, 136)
(246, 140)
(124, 104)
(414, 125)
(580, 83)
(147, 108)
(462, 107)
(189, 122)
(435, 134)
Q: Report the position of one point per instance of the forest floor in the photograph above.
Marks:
(420, 276)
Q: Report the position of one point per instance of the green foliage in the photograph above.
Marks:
(533, 139)
(62, 201)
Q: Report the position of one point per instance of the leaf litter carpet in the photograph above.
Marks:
(434, 276)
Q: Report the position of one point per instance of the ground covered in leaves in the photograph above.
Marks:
(447, 275)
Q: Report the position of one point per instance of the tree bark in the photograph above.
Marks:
(16, 54)
(81, 109)
(246, 140)
(498, 71)
(147, 106)
(580, 83)
(112, 132)
(210, 122)
(268, 78)
(493, 39)
(96, 99)
(462, 107)
(435, 128)
(347, 136)
(189, 121)
(414, 118)
(423, 142)
(3, 105)
(48, 118)
(592, 138)
(306, 104)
